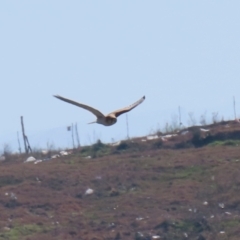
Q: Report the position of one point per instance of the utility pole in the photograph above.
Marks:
(73, 137)
(127, 126)
(234, 108)
(25, 139)
(77, 137)
(179, 114)
(23, 133)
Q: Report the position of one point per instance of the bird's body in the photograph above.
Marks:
(106, 120)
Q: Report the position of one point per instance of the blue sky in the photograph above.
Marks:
(108, 54)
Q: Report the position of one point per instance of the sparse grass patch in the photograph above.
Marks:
(234, 143)
(96, 150)
(230, 223)
(188, 172)
(20, 231)
(191, 225)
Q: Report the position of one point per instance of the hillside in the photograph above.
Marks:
(183, 186)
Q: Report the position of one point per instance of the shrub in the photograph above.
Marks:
(122, 146)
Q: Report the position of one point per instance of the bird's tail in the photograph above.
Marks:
(92, 122)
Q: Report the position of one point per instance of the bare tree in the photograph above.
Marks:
(192, 120)
(6, 151)
(174, 123)
(215, 117)
(203, 120)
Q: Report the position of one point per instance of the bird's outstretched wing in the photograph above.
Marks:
(92, 110)
(127, 109)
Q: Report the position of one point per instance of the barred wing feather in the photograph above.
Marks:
(127, 109)
(92, 110)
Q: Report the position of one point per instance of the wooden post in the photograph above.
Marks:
(23, 133)
(25, 139)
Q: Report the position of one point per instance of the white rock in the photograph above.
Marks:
(115, 143)
(64, 153)
(221, 205)
(30, 159)
(152, 137)
(170, 135)
(44, 152)
(164, 139)
(228, 213)
(139, 234)
(13, 196)
(89, 191)
(37, 161)
(204, 130)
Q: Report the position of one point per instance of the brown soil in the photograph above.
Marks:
(178, 189)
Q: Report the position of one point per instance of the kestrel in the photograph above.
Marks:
(106, 120)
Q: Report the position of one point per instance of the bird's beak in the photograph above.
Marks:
(92, 122)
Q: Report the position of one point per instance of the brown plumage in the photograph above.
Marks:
(106, 120)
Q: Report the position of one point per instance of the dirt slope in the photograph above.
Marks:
(190, 193)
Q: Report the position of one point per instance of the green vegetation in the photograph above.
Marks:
(22, 231)
(234, 143)
(189, 172)
(96, 150)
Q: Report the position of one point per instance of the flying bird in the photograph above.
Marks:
(106, 120)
